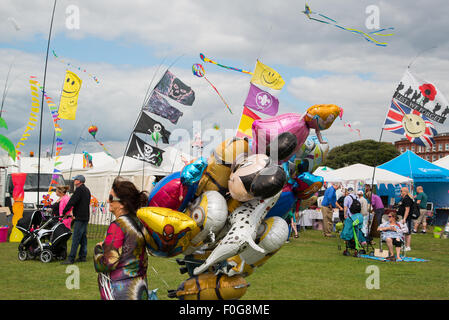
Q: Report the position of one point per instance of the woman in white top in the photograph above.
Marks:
(393, 235)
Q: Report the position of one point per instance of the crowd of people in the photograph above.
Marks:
(396, 228)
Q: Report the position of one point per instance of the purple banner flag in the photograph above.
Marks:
(261, 101)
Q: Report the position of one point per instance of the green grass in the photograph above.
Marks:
(309, 267)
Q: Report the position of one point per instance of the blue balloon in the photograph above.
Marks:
(193, 172)
(283, 205)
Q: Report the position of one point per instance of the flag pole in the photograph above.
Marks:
(5, 90)
(146, 99)
(42, 103)
(374, 173)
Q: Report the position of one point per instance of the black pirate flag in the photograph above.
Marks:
(173, 87)
(140, 150)
(148, 125)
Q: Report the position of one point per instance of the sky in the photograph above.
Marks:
(128, 45)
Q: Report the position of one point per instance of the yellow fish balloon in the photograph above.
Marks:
(69, 96)
(322, 116)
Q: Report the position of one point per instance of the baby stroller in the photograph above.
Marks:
(353, 236)
(43, 236)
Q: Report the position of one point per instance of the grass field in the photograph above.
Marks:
(309, 267)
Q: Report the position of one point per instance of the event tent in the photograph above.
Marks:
(360, 173)
(443, 162)
(411, 165)
(322, 171)
(99, 179)
(434, 179)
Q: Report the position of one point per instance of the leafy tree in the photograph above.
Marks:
(368, 152)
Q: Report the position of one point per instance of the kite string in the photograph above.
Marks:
(219, 95)
(265, 42)
(79, 68)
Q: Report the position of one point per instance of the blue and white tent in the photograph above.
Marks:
(434, 179)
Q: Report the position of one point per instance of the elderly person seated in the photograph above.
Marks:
(393, 235)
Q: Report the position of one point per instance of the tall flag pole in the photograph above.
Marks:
(42, 101)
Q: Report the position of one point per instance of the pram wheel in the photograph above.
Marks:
(22, 255)
(46, 256)
(346, 253)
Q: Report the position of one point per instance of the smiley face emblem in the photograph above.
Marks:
(414, 125)
(270, 77)
(72, 85)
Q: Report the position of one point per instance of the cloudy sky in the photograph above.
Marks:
(128, 45)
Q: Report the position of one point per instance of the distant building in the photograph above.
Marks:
(439, 150)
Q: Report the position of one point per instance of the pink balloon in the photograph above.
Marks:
(265, 130)
(170, 195)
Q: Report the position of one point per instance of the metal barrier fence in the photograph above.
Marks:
(99, 221)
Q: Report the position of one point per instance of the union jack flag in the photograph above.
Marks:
(416, 127)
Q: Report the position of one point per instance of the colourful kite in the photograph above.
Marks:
(221, 65)
(5, 143)
(198, 71)
(33, 115)
(93, 131)
(348, 125)
(59, 143)
(367, 36)
(69, 96)
(79, 68)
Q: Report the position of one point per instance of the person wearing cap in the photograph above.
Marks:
(363, 203)
(80, 202)
(364, 210)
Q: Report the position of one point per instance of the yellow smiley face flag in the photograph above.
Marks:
(265, 76)
(69, 96)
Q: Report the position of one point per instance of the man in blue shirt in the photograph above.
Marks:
(327, 205)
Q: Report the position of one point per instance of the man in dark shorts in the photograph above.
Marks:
(405, 206)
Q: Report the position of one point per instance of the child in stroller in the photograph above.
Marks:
(354, 238)
(43, 236)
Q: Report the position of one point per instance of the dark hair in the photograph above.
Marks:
(129, 196)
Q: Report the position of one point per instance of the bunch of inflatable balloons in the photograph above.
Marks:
(224, 215)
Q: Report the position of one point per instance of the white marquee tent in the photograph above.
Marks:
(99, 179)
(322, 171)
(443, 162)
(360, 173)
